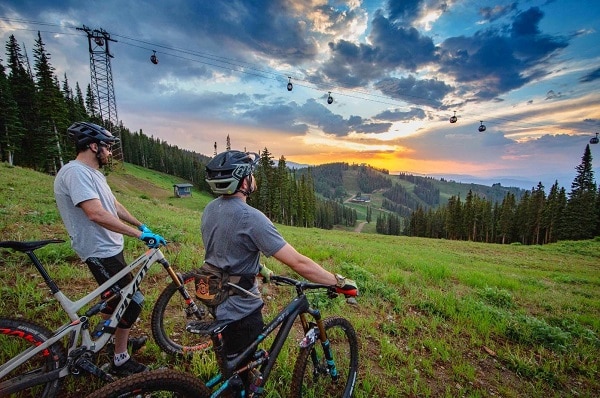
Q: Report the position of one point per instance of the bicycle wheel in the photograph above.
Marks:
(169, 319)
(16, 335)
(156, 383)
(312, 378)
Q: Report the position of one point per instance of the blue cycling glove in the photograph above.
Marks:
(153, 240)
(144, 228)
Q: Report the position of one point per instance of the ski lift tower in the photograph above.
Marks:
(102, 83)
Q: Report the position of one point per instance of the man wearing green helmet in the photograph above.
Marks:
(235, 234)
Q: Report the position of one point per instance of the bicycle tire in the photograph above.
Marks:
(161, 382)
(169, 320)
(310, 381)
(18, 334)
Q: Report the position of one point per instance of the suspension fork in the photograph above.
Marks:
(191, 308)
(324, 340)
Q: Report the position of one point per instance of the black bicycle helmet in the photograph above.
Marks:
(225, 172)
(84, 133)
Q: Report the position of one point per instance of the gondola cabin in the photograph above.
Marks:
(482, 127)
(453, 119)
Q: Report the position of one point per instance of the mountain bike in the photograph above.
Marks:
(326, 366)
(34, 359)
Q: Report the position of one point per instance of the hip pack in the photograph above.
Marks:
(213, 285)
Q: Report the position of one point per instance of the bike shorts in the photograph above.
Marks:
(103, 269)
(239, 334)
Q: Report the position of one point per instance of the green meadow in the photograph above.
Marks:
(435, 318)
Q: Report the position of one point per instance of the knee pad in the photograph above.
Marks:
(132, 312)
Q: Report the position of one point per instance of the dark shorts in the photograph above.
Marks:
(239, 334)
(104, 268)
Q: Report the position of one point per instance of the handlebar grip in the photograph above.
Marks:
(347, 292)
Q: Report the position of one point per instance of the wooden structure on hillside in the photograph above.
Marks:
(182, 190)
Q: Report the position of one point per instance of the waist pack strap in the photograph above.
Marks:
(245, 281)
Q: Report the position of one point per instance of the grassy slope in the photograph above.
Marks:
(436, 318)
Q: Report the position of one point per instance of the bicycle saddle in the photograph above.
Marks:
(28, 246)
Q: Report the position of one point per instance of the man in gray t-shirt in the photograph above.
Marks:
(235, 234)
(96, 223)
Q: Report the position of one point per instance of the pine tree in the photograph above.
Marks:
(52, 115)
(92, 110)
(506, 219)
(23, 90)
(581, 215)
(454, 218)
(553, 214)
(11, 129)
(81, 113)
(536, 212)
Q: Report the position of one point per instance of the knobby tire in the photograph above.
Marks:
(310, 381)
(156, 383)
(169, 320)
(16, 335)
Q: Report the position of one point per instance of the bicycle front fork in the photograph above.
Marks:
(314, 331)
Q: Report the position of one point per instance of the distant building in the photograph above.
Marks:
(361, 199)
(182, 190)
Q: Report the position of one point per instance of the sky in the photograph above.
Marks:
(397, 70)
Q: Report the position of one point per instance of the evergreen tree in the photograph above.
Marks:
(581, 216)
(553, 213)
(11, 129)
(52, 115)
(90, 104)
(521, 221)
(23, 90)
(506, 218)
(454, 218)
(536, 214)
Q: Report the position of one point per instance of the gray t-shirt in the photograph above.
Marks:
(76, 182)
(234, 234)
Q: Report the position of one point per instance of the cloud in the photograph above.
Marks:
(428, 92)
(550, 95)
(491, 14)
(403, 10)
(391, 47)
(397, 115)
(492, 62)
(590, 77)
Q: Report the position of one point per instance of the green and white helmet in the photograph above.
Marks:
(225, 172)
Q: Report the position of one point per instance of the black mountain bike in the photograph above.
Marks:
(326, 366)
(33, 359)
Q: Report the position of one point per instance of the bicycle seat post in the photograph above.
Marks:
(42, 270)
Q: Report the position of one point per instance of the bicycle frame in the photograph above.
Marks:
(78, 329)
(298, 307)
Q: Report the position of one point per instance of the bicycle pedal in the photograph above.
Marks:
(199, 327)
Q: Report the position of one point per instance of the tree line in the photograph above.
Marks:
(289, 198)
(536, 218)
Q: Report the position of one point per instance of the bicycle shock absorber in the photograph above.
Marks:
(191, 309)
(320, 332)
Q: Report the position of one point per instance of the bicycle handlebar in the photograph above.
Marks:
(301, 286)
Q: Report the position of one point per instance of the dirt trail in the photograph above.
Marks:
(359, 227)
